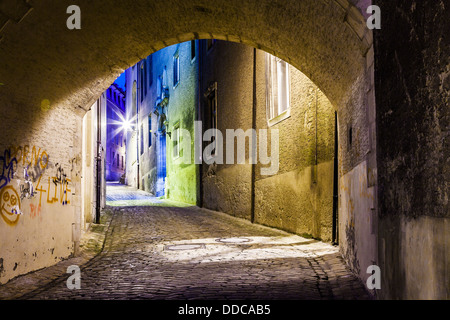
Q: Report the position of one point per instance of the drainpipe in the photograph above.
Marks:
(199, 118)
(137, 129)
(316, 138)
(335, 231)
(99, 163)
(254, 142)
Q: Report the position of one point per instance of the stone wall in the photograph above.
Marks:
(412, 68)
(298, 197)
(227, 187)
(40, 191)
(181, 169)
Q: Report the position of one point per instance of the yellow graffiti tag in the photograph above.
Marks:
(10, 205)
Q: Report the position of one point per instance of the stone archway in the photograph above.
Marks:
(52, 75)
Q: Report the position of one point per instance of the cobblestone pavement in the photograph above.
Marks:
(168, 252)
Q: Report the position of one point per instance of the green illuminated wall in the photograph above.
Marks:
(181, 182)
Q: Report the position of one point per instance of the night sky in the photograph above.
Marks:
(120, 81)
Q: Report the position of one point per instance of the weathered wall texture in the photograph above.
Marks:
(47, 188)
(89, 169)
(227, 187)
(412, 89)
(357, 226)
(39, 188)
(181, 170)
(297, 198)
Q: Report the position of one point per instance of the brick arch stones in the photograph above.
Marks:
(50, 76)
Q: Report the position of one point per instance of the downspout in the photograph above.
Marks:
(254, 142)
(199, 118)
(137, 129)
(335, 231)
(99, 162)
(316, 138)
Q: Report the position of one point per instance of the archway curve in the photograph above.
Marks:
(327, 40)
(41, 60)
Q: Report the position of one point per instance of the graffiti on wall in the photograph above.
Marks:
(35, 210)
(15, 188)
(57, 188)
(60, 176)
(26, 188)
(7, 164)
(10, 205)
(34, 159)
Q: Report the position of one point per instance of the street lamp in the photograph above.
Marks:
(126, 126)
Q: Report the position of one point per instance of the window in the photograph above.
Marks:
(143, 80)
(176, 69)
(150, 69)
(211, 112)
(114, 158)
(192, 49)
(277, 85)
(176, 141)
(117, 160)
(159, 85)
(149, 130)
(122, 162)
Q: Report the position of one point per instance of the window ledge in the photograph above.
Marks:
(282, 116)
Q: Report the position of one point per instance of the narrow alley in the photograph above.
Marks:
(164, 251)
(224, 150)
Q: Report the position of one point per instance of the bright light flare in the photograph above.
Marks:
(126, 125)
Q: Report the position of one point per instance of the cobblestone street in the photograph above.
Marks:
(177, 252)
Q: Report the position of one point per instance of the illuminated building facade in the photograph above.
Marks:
(116, 141)
(162, 99)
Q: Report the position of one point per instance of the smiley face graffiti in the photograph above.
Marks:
(10, 205)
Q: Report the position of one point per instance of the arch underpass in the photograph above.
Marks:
(50, 76)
